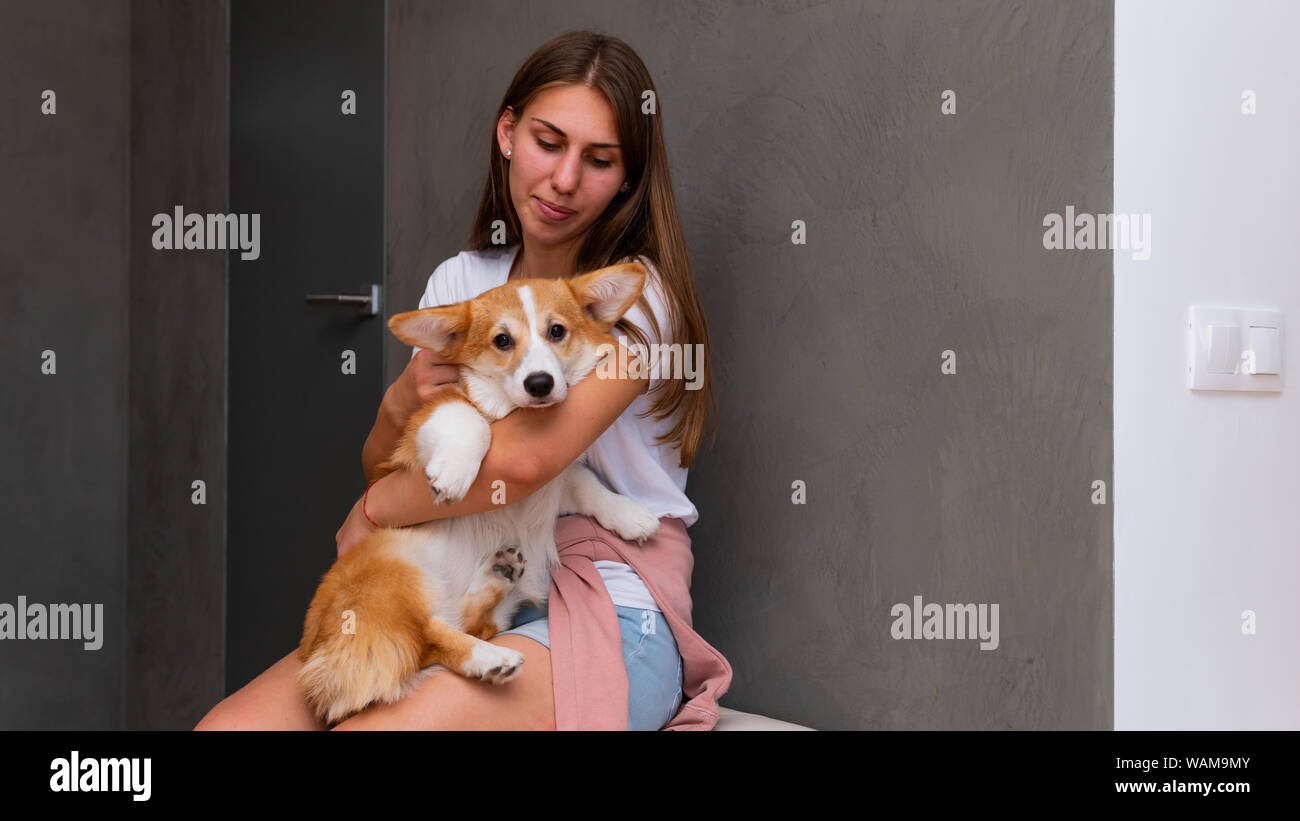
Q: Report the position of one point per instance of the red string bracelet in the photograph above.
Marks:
(363, 503)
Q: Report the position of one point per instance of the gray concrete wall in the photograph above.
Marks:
(924, 235)
(64, 273)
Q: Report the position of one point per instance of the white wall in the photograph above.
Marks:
(1206, 495)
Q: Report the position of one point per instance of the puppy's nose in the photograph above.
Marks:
(539, 384)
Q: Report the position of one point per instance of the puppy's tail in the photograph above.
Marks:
(365, 635)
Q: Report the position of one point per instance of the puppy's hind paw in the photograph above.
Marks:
(492, 662)
(509, 563)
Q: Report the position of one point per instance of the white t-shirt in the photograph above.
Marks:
(626, 456)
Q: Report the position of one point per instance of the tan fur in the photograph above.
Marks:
(469, 327)
(476, 614)
(386, 597)
(395, 634)
(447, 645)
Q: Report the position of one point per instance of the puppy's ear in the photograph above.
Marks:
(441, 330)
(607, 293)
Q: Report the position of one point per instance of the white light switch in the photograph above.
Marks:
(1225, 347)
(1234, 349)
(1267, 353)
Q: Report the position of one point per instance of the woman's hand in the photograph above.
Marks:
(355, 528)
(424, 376)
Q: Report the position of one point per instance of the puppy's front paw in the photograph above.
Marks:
(492, 662)
(629, 519)
(450, 476)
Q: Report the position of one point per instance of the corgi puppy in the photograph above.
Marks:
(406, 598)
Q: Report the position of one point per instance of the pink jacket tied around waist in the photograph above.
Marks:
(586, 645)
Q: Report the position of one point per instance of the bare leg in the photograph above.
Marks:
(272, 701)
(444, 700)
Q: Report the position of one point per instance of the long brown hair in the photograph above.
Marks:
(641, 222)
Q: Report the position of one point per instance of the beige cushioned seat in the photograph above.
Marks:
(729, 719)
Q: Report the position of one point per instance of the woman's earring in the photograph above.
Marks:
(507, 152)
(624, 186)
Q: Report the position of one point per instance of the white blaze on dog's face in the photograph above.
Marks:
(525, 343)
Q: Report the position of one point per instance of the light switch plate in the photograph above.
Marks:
(1225, 348)
(1267, 348)
(1222, 342)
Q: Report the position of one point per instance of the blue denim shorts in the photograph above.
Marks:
(654, 666)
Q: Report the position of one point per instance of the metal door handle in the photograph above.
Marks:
(367, 300)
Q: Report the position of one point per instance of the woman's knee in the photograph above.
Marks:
(444, 700)
(272, 701)
(231, 714)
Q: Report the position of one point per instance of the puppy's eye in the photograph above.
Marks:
(502, 341)
(557, 332)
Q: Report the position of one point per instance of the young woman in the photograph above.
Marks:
(578, 177)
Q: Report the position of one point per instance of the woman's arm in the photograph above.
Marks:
(382, 439)
(529, 448)
(423, 377)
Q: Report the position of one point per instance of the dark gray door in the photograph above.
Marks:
(298, 420)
